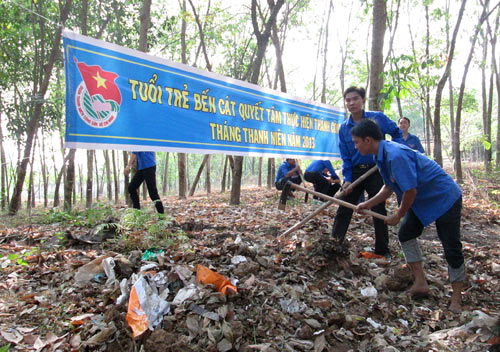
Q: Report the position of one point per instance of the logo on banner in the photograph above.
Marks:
(97, 97)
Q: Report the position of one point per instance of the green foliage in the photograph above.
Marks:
(89, 218)
(146, 230)
(5, 348)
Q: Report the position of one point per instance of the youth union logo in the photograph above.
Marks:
(97, 97)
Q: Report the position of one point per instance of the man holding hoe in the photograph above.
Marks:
(426, 194)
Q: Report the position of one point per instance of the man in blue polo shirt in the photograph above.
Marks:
(289, 170)
(146, 171)
(323, 183)
(355, 165)
(425, 193)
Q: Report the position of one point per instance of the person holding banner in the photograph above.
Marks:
(355, 165)
(289, 170)
(146, 171)
(322, 175)
(426, 194)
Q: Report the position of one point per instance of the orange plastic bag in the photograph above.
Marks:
(208, 277)
(370, 255)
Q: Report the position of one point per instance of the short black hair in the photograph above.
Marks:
(404, 118)
(354, 89)
(367, 128)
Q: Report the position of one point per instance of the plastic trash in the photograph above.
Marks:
(89, 271)
(292, 306)
(373, 323)
(208, 277)
(151, 253)
(369, 291)
(109, 268)
(124, 292)
(145, 308)
(237, 259)
(184, 293)
(369, 255)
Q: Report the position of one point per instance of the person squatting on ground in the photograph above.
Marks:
(317, 174)
(355, 165)
(289, 170)
(146, 171)
(426, 194)
(410, 140)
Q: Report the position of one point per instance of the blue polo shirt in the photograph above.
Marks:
(413, 142)
(284, 168)
(403, 168)
(320, 165)
(350, 156)
(145, 160)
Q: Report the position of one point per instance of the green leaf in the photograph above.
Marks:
(5, 348)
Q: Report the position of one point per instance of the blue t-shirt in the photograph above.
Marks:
(284, 168)
(145, 160)
(320, 165)
(403, 168)
(350, 156)
(413, 142)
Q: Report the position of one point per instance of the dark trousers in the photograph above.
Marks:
(282, 181)
(448, 229)
(372, 184)
(148, 175)
(321, 184)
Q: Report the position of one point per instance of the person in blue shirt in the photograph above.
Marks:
(409, 139)
(146, 171)
(426, 194)
(289, 170)
(322, 175)
(355, 165)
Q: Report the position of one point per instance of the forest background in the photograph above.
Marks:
(435, 62)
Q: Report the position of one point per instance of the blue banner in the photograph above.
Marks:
(118, 98)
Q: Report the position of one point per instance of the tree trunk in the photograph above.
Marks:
(90, 179)
(259, 183)
(45, 176)
(198, 174)
(126, 180)
(181, 161)
(32, 125)
(456, 139)
(223, 182)
(3, 166)
(69, 180)
(116, 177)
(165, 176)
(377, 53)
(208, 184)
(325, 55)
(107, 166)
(438, 153)
(98, 186)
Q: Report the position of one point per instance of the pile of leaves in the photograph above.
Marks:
(294, 292)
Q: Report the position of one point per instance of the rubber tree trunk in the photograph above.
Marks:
(377, 53)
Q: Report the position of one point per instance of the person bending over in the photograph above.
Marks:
(289, 170)
(146, 171)
(322, 175)
(426, 194)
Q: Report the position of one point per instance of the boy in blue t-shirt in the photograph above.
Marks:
(426, 194)
(317, 174)
(146, 171)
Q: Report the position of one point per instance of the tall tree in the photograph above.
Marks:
(181, 157)
(438, 153)
(377, 53)
(48, 64)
